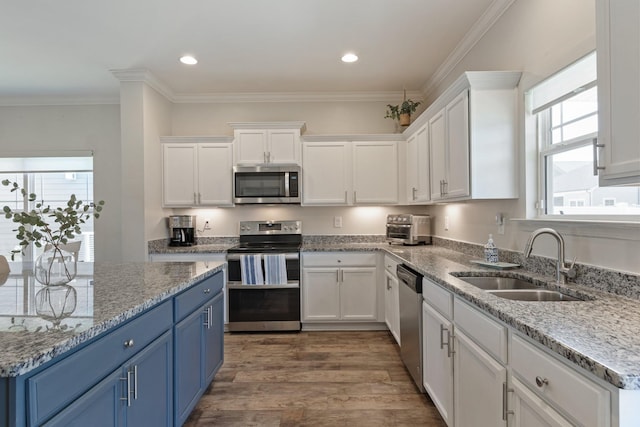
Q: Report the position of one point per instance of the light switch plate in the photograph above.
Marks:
(337, 222)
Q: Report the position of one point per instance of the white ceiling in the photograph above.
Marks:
(70, 48)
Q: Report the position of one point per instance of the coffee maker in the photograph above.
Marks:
(182, 230)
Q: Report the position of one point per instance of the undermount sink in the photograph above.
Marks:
(533, 295)
(497, 283)
(514, 288)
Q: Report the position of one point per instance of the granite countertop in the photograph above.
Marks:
(116, 292)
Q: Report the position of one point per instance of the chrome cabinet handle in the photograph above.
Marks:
(448, 343)
(345, 197)
(195, 198)
(355, 198)
(199, 198)
(128, 343)
(207, 320)
(414, 190)
(596, 168)
(541, 382)
(442, 329)
(135, 382)
(127, 387)
(505, 401)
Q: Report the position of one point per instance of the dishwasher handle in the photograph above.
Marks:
(410, 278)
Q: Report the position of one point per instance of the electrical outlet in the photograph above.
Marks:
(446, 223)
(337, 222)
(207, 224)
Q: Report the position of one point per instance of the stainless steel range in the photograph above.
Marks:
(263, 283)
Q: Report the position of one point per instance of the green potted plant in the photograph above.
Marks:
(54, 228)
(402, 112)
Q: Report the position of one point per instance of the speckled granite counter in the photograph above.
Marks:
(118, 291)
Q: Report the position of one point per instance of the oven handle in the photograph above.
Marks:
(236, 256)
(235, 285)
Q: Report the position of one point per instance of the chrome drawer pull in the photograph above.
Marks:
(541, 382)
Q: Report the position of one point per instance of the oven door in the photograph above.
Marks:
(264, 307)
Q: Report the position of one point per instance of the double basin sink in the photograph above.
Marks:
(515, 289)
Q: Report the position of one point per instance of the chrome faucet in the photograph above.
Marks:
(562, 270)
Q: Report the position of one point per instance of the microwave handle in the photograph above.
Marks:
(286, 185)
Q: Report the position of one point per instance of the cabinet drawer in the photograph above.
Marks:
(55, 387)
(339, 259)
(197, 295)
(390, 264)
(488, 333)
(438, 297)
(578, 396)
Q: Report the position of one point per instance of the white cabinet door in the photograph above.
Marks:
(375, 172)
(320, 294)
(528, 410)
(478, 385)
(358, 294)
(412, 169)
(179, 174)
(392, 305)
(437, 361)
(457, 157)
(618, 45)
(438, 154)
(423, 193)
(283, 146)
(326, 178)
(251, 146)
(215, 165)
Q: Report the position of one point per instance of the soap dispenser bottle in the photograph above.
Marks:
(490, 251)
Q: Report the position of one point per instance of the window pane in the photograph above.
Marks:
(583, 104)
(573, 189)
(580, 128)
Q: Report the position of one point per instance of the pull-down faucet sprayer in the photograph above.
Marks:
(562, 270)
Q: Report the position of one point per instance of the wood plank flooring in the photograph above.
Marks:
(313, 379)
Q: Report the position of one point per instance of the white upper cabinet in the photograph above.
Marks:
(266, 142)
(471, 139)
(196, 171)
(618, 47)
(418, 186)
(341, 172)
(375, 172)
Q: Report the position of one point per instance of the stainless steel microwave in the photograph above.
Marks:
(267, 184)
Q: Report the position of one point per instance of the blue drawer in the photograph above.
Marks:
(54, 388)
(197, 295)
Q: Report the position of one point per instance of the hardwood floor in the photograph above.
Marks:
(313, 379)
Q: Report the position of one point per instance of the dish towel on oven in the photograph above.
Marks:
(251, 269)
(275, 269)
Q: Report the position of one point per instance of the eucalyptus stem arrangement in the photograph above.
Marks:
(44, 224)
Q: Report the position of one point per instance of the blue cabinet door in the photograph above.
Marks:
(151, 385)
(101, 406)
(188, 359)
(213, 339)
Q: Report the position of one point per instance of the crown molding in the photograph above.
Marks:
(237, 97)
(473, 36)
(34, 101)
(145, 76)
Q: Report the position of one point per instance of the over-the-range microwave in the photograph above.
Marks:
(267, 184)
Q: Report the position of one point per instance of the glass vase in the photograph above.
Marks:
(55, 267)
(56, 303)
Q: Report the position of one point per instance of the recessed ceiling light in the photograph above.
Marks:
(350, 57)
(188, 60)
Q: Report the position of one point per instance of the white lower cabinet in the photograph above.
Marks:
(437, 361)
(528, 410)
(494, 376)
(478, 385)
(339, 287)
(558, 386)
(392, 298)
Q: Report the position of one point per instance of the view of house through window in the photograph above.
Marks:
(52, 188)
(567, 120)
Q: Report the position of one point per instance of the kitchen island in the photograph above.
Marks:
(55, 363)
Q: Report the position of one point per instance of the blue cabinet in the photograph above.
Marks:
(138, 393)
(149, 371)
(198, 343)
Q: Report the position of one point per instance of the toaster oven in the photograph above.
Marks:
(409, 229)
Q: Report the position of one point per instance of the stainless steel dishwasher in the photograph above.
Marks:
(410, 291)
